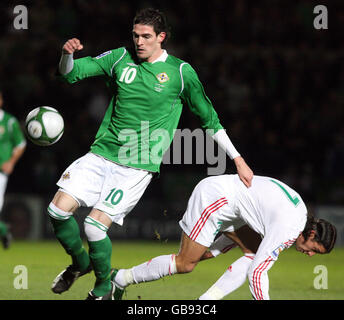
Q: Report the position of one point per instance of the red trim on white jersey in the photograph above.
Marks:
(205, 215)
(289, 243)
(256, 281)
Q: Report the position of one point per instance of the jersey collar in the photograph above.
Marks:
(162, 57)
(2, 113)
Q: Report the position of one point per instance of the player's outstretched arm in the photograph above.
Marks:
(66, 62)
(78, 69)
(244, 171)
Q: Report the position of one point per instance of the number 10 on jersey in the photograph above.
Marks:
(115, 196)
(128, 75)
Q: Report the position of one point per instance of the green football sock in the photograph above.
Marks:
(68, 234)
(3, 229)
(100, 255)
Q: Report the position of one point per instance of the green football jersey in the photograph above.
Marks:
(11, 135)
(143, 114)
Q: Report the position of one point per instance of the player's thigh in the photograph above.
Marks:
(209, 210)
(101, 217)
(189, 254)
(84, 178)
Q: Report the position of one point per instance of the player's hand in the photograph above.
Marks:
(7, 167)
(244, 171)
(71, 46)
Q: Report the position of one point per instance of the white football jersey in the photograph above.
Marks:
(278, 214)
(269, 206)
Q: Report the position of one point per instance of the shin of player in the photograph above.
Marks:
(162, 266)
(67, 232)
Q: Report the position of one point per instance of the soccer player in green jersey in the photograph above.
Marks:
(12, 146)
(149, 89)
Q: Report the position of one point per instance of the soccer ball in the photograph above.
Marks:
(44, 126)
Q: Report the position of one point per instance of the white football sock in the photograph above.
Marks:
(94, 230)
(232, 279)
(124, 277)
(154, 269)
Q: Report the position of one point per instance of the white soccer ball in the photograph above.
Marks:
(44, 126)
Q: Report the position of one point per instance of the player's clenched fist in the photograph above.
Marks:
(71, 46)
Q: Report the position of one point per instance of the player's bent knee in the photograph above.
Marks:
(184, 266)
(65, 202)
(58, 214)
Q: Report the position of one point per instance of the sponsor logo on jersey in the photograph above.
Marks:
(103, 54)
(162, 77)
(275, 253)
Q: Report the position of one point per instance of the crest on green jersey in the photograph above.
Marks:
(163, 77)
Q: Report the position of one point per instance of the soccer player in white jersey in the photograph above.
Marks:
(223, 204)
(149, 89)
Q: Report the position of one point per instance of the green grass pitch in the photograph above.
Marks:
(291, 278)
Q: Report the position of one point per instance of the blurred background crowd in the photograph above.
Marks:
(276, 82)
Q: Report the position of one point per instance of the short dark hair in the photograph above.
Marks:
(156, 19)
(325, 232)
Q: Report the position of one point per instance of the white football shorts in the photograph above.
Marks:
(211, 209)
(96, 182)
